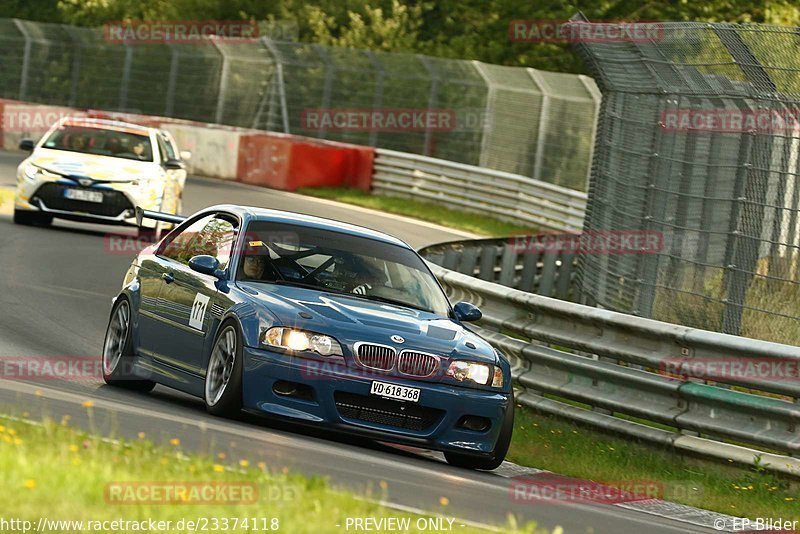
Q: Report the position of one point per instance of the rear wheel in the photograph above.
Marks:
(118, 350)
(493, 460)
(32, 218)
(223, 384)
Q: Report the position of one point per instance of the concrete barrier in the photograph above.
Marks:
(290, 162)
(215, 152)
(252, 156)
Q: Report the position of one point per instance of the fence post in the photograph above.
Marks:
(377, 100)
(270, 45)
(328, 87)
(126, 78)
(597, 98)
(77, 51)
(488, 114)
(223, 84)
(26, 59)
(433, 98)
(172, 81)
(544, 116)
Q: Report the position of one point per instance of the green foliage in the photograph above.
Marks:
(470, 29)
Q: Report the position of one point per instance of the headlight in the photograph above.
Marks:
(480, 373)
(300, 340)
(31, 172)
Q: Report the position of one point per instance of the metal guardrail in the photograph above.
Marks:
(607, 369)
(498, 260)
(510, 197)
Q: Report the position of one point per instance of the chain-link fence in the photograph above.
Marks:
(518, 120)
(699, 139)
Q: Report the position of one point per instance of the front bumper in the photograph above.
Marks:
(334, 394)
(117, 208)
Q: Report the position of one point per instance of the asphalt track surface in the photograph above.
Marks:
(56, 286)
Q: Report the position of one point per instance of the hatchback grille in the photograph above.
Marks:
(417, 364)
(376, 356)
(114, 202)
(386, 412)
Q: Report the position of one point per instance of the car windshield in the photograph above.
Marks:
(116, 143)
(337, 262)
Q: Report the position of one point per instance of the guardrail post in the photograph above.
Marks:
(26, 59)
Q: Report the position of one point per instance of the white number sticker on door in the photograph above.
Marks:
(199, 311)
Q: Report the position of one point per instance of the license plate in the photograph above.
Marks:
(85, 196)
(393, 391)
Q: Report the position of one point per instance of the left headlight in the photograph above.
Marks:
(300, 340)
(480, 373)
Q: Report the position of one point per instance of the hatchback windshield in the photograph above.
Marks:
(116, 143)
(331, 261)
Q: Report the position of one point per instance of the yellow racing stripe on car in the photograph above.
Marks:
(6, 201)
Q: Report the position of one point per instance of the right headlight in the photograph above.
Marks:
(480, 373)
(31, 172)
(301, 341)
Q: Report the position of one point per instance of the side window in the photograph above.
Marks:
(211, 235)
(162, 150)
(169, 149)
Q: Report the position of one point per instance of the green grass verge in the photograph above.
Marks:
(563, 447)
(425, 211)
(58, 472)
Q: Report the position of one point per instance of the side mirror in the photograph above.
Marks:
(186, 155)
(174, 165)
(467, 312)
(206, 265)
(27, 145)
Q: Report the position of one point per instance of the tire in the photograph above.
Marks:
(118, 357)
(222, 390)
(493, 460)
(32, 218)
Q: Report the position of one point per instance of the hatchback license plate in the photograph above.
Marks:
(394, 391)
(85, 196)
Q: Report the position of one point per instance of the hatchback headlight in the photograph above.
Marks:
(480, 373)
(300, 341)
(31, 172)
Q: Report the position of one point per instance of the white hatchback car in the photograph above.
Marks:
(99, 171)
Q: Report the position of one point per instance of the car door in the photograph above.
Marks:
(186, 297)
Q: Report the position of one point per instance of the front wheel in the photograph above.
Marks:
(223, 384)
(493, 460)
(118, 350)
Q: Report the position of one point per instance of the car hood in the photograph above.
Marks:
(99, 168)
(352, 319)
